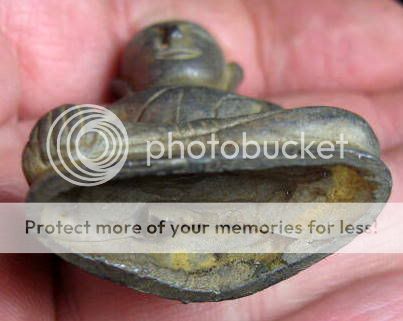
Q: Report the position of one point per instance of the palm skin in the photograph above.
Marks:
(344, 53)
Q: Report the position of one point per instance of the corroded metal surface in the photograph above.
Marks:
(174, 78)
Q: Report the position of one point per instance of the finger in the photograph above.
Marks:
(283, 45)
(343, 45)
(66, 51)
(381, 111)
(26, 287)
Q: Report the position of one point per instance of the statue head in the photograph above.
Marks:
(177, 53)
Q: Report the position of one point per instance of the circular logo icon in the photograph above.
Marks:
(87, 145)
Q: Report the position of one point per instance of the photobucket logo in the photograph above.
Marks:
(87, 145)
(246, 149)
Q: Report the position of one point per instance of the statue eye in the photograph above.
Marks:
(176, 33)
(168, 33)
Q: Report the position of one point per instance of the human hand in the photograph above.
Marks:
(295, 53)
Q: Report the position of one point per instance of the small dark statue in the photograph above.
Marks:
(174, 78)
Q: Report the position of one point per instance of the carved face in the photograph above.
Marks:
(174, 53)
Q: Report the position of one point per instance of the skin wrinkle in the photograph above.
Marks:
(16, 40)
(50, 49)
(66, 304)
(26, 303)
